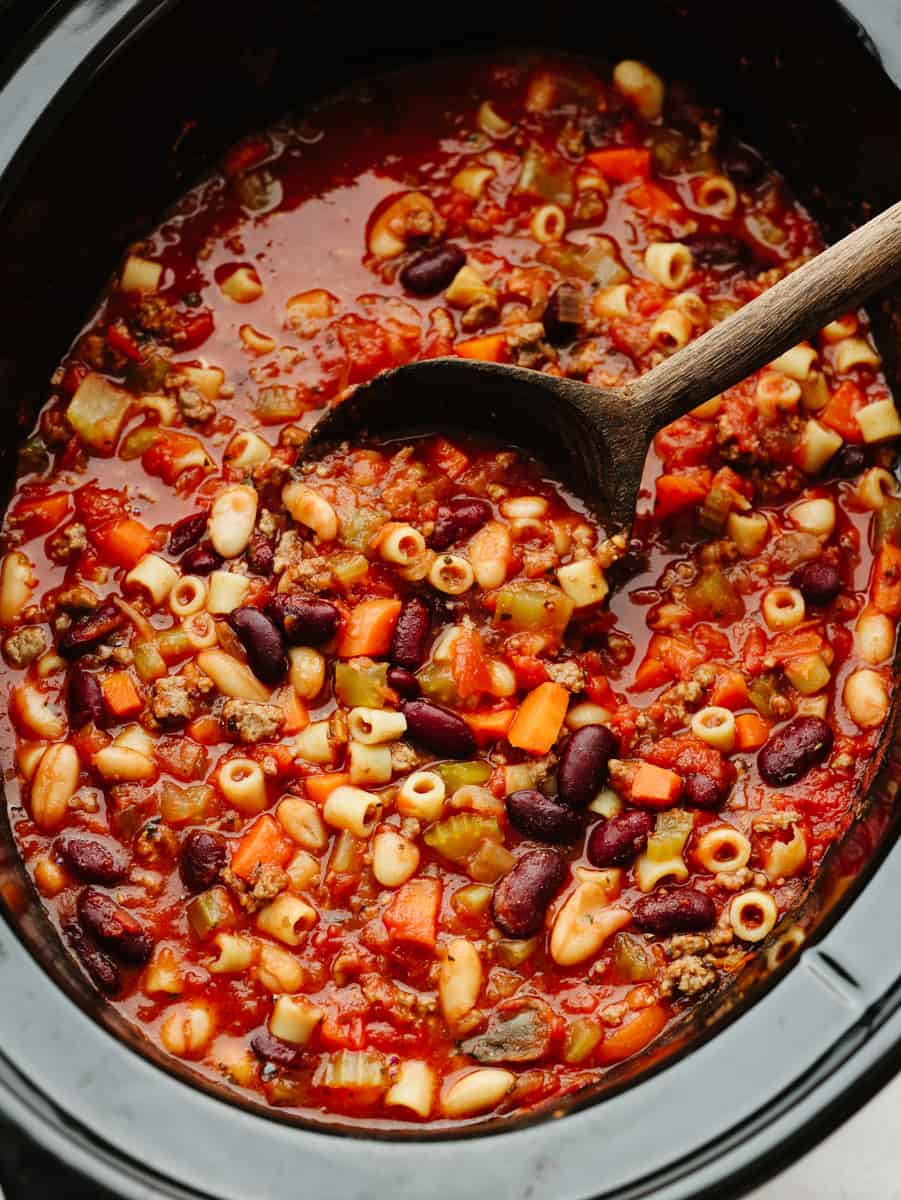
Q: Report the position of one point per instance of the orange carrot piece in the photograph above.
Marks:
(489, 726)
(633, 1035)
(296, 715)
(651, 673)
(490, 348)
(320, 787)
(446, 457)
(412, 916)
(120, 694)
(841, 412)
(676, 493)
(368, 628)
(650, 198)
(655, 786)
(730, 691)
(123, 542)
(887, 580)
(263, 844)
(538, 720)
(751, 731)
(622, 163)
(205, 730)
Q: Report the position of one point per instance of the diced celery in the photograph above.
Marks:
(179, 806)
(173, 644)
(463, 774)
(361, 527)
(360, 682)
(762, 690)
(472, 900)
(149, 374)
(349, 568)
(671, 832)
(275, 405)
(808, 674)
(512, 952)
(888, 523)
(459, 836)
(582, 1037)
(438, 683)
(357, 1070)
(149, 663)
(533, 606)
(713, 597)
(633, 960)
(33, 456)
(138, 441)
(542, 175)
(490, 862)
(209, 912)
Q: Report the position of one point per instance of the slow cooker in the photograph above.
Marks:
(110, 109)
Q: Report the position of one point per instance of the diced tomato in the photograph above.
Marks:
(690, 756)
(122, 543)
(38, 515)
(677, 493)
(96, 505)
(172, 454)
(653, 200)
(795, 643)
(120, 339)
(182, 757)
(344, 1031)
(651, 673)
(445, 456)
(194, 328)
(686, 442)
(728, 480)
(529, 671)
(711, 642)
(622, 163)
(753, 652)
(366, 346)
(470, 667)
(678, 654)
(840, 413)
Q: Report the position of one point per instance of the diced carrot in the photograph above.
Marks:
(469, 665)
(678, 655)
(492, 347)
(489, 726)
(751, 731)
(122, 543)
(320, 787)
(730, 691)
(650, 198)
(447, 457)
(412, 915)
(675, 493)
(263, 844)
(622, 163)
(205, 730)
(368, 628)
(887, 580)
(655, 786)
(796, 643)
(37, 516)
(120, 694)
(633, 1035)
(296, 715)
(537, 723)
(841, 412)
(651, 673)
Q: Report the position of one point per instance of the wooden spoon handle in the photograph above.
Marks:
(837, 280)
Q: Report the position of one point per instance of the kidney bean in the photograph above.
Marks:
(440, 731)
(274, 1050)
(616, 842)
(186, 532)
(563, 314)
(201, 560)
(717, 249)
(84, 699)
(818, 582)
(404, 682)
(304, 620)
(522, 897)
(538, 816)
(583, 764)
(850, 460)
(740, 162)
(793, 750)
(261, 554)
(114, 927)
(96, 962)
(703, 791)
(202, 856)
(432, 269)
(263, 642)
(410, 640)
(85, 634)
(460, 520)
(681, 911)
(91, 861)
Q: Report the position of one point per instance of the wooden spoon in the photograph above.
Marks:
(595, 438)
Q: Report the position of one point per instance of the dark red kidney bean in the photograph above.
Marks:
(84, 699)
(274, 1050)
(563, 314)
(717, 249)
(740, 162)
(522, 897)
(85, 634)
(538, 816)
(201, 560)
(583, 764)
(682, 911)
(616, 842)
(304, 620)
(442, 732)
(261, 554)
(263, 643)
(404, 682)
(186, 532)
(410, 640)
(849, 461)
(202, 856)
(793, 750)
(114, 927)
(460, 520)
(818, 582)
(433, 269)
(96, 962)
(91, 861)
(703, 791)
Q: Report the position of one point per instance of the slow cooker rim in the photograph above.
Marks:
(117, 24)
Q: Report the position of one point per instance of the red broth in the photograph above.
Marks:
(390, 787)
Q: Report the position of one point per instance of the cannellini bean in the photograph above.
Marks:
(28, 755)
(163, 976)
(232, 519)
(489, 554)
(188, 1029)
(124, 765)
(35, 714)
(584, 923)
(413, 1088)
(586, 713)
(866, 697)
(308, 508)
(307, 671)
(394, 858)
(641, 85)
(583, 581)
(232, 677)
(460, 979)
(278, 970)
(226, 592)
(53, 786)
(17, 582)
(302, 822)
(477, 1091)
(814, 516)
(875, 637)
